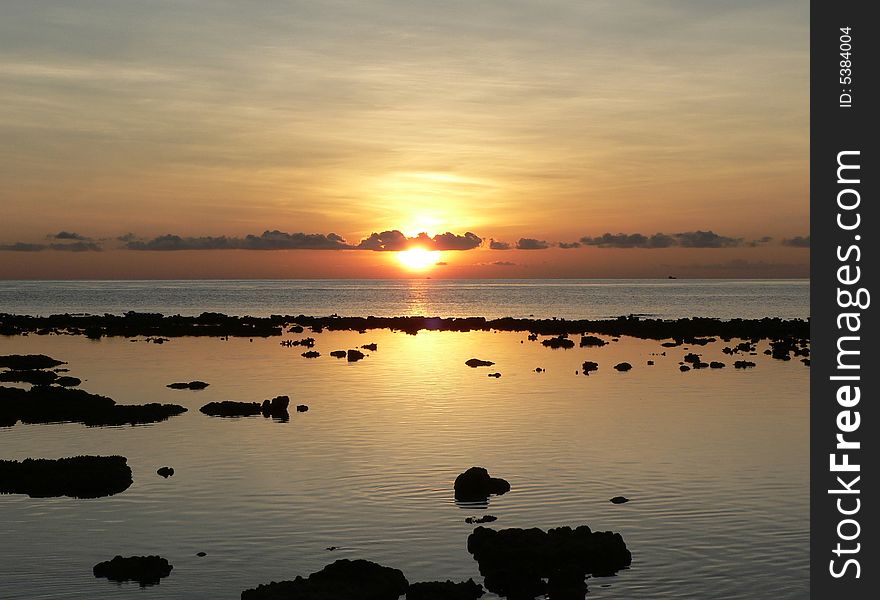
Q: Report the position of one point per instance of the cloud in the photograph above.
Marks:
(688, 239)
(503, 263)
(798, 241)
(567, 245)
(394, 241)
(496, 245)
(68, 235)
(128, 237)
(73, 247)
(268, 240)
(531, 244)
(631, 240)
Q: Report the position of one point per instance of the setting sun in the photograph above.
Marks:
(418, 259)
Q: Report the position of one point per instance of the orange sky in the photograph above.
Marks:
(551, 120)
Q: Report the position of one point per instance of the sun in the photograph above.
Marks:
(418, 259)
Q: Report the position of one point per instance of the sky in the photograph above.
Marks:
(525, 138)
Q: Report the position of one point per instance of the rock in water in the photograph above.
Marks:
(355, 355)
(28, 362)
(165, 472)
(192, 385)
(76, 477)
(619, 500)
(341, 580)
(623, 367)
(475, 484)
(523, 563)
(589, 366)
(146, 570)
(476, 362)
(445, 590)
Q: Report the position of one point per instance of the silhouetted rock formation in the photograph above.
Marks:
(716, 365)
(483, 519)
(590, 341)
(693, 331)
(50, 404)
(67, 381)
(301, 408)
(475, 484)
(311, 354)
(229, 408)
(76, 477)
(476, 362)
(619, 500)
(588, 367)
(623, 367)
(201, 554)
(684, 368)
(165, 472)
(692, 358)
(341, 580)
(146, 570)
(275, 408)
(355, 355)
(338, 354)
(192, 385)
(516, 562)
(34, 377)
(28, 362)
(560, 341)
(743, 364)
(444, 590)
(495, 375)
(371, 347)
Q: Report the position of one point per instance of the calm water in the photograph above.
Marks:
(715, 462)
(446, 298)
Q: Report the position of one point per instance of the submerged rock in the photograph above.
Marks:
(146, 570)
(560, 341)
(590, 341)
(76, 477)
(445, 590)
(192, 385)
(475, 484)
(229, 408)
(716, 365)
(29, 362)
(495, 375)
(355, 355)
(476, 362)
(51, 404)
(743, 364)
(483, 519)
(68, 381)
(623, 367)
(338, 354)
(523, 563)
(619, 500)
(371, 347)
(342, 580)
(311, 354)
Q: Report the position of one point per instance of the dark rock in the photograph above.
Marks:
(301, 408)
(33, 377)
(483, 519)
(67, 381)
(523, 563)
(806, 361)
(495, 375)
(476, 362)
(588, 367)
(623, 367)
(690, 357)
(338, 354)
(229, 408)
(311, 354)
(50, 404)
(716, 365)
(371, 347)
(701, 365)
(355, 355)
(295, 329)
(342, 580)
(560, 341)
(445, 590)
(590, 341)
(743, 364)
(540, 370)
(192, 385)
(475, 484)
(684, 368)
(650, 363)
(276, 407)
(146, 570)
(619, 500)
(76, 477)
(29, 362)
(201, 554)
(165, 472)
